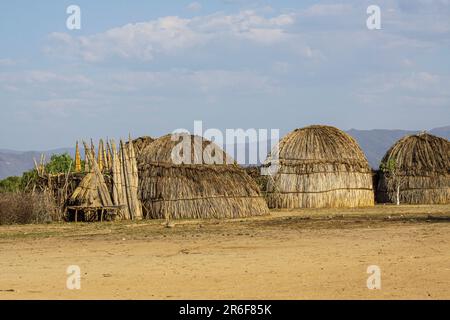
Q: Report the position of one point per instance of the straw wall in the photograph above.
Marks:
(423, 163)
(194, 190)
(320, 166)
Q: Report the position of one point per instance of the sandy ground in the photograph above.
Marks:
(308, 254)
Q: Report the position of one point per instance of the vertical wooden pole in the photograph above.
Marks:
(100, 155)
(92, 149)
(77, 158)
(109, 155)
(119, 193)
(126, 176)
(87, 168)
(134, 180)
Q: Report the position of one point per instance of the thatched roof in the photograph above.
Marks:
(320, 144)
(141, 143)
(197, 190)
(420, 153)
(320, 166)
(92, 190)
(423, 163)
(161, 150)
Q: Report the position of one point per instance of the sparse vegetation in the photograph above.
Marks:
(20, 203)
(61, 163)
(11, 184)
(25, 208)
(396, 180)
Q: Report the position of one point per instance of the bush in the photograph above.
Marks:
(11, 184)
(61, 163)
(25, 208)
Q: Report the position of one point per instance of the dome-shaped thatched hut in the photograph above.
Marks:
(141, 143)
(320, 166)
(200, 189)
(422, 171)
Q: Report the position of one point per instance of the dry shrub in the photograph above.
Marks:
(25, 208)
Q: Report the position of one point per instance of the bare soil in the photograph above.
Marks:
(303, 254)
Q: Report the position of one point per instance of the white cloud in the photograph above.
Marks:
(64, 94)
(309, 33)
(170, 35)
(137, 41)
(194, 6)
(420, 89)
(186, 82)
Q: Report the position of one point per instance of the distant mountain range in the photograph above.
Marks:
(14, 163)
(375, 143)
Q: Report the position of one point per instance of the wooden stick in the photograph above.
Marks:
(126, 178)
(103, 191)
(86, 161)
(119, 181)
(108, 155)
(100, 155)
(134, 181)
(77, 159)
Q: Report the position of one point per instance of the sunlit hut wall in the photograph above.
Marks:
(319, 166)
(197, 190)
(423, 164)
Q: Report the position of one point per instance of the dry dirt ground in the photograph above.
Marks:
(305, 254)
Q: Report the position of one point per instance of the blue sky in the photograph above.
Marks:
(149, 67)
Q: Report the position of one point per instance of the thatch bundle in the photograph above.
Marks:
(111, 183)
(92, 190)
(423, 164)
(199, 189)
(319, 166)
(88, 192)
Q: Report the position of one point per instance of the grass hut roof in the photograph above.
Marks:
(423, 163)
(200, 189)
(320, 166)
(141, 143)
(419, 153)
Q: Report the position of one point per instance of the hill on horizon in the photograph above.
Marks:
(374, 143)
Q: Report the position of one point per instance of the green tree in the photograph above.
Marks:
(10, 184)
(61, 163)
(28, 179)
